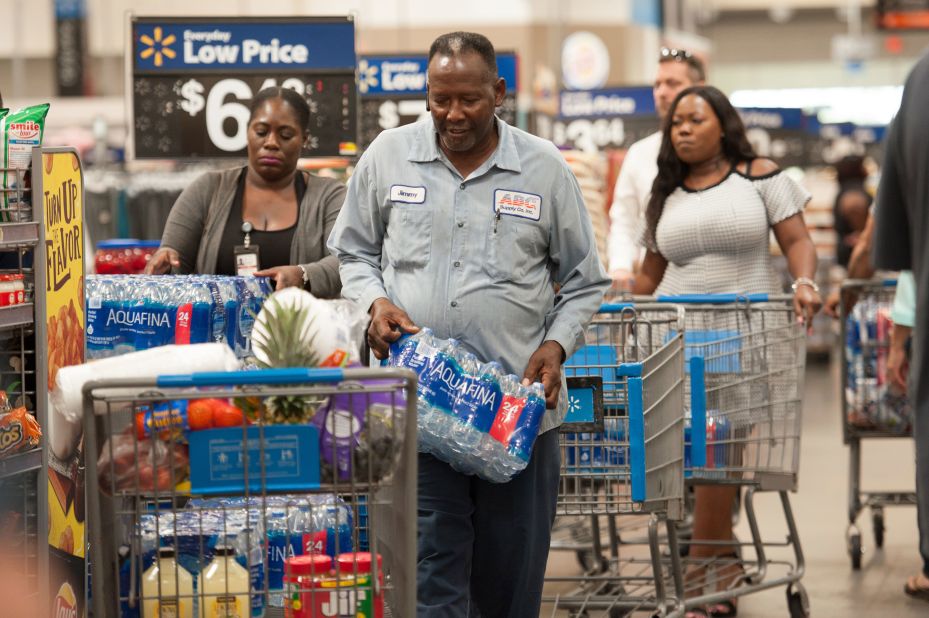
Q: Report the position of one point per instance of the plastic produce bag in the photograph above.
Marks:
(296, 329)
(126, 463)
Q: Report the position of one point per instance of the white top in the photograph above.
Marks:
(630, 198)
(716, 239)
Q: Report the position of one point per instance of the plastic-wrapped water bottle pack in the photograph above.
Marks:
(131, 313)
(472, 415)
(872, 402)
(291, 526)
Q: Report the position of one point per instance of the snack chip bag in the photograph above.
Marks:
(20, 131)
(19, 431)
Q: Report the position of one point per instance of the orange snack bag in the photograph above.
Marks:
(19, 431)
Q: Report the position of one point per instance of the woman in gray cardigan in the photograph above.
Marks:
(219, 220)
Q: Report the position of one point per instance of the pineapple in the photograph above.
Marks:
(283, 337)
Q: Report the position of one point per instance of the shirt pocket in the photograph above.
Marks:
(512, 250)
(409, 237)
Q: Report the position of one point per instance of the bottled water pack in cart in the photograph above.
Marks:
(470, 414)
(290, 526)
(127, 313)
(872, 402)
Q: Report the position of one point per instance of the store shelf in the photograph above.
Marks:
(17, 315)
(23, 462)
(13, 235)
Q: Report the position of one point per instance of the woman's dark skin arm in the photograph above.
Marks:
(650, 274)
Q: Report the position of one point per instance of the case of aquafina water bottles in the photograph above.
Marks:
(471, 414)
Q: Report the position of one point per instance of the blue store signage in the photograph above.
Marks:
(406, 75)
(184, 45)
(773, 118)
(193, 79)
(635, 101)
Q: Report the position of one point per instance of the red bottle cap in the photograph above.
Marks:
(307, 565)
(348, 561)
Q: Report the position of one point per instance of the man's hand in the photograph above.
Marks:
(545, 367)
(162, 261)
(897, 367)
(284, 276)
(831, 306)
(388, 323)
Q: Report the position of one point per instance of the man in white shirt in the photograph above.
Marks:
(677, 69)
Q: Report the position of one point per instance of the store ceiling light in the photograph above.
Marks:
(874, 105)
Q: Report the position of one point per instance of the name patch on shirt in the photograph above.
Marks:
(407, 195)
(518, 204)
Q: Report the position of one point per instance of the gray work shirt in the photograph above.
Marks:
(473, 258)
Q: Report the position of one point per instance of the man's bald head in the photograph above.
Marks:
(458, 43)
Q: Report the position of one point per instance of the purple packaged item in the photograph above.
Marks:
(360, 433)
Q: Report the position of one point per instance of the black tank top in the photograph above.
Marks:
(275, 246)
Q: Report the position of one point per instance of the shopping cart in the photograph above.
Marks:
(622, 454)
(746, 354)
(340, 485)
(870, 409)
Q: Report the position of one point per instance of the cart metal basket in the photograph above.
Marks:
(870, 408)
(622, 454)
(340, 484)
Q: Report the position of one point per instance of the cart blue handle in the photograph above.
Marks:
(713, 299)
(262, 376)
(615, 307)
(697, 412)
(637, 453)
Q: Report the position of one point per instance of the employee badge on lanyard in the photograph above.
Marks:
(247, 261)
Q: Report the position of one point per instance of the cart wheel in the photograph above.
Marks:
(877, 521)
(798, 602)
(855, 551)
(591, 562)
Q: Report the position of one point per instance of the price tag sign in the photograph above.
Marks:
(393, 91)
(595, 120)
(193, 79)
(778, 134)
(594, 134)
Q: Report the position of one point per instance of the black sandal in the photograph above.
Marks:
(728, 608)
(916, 591)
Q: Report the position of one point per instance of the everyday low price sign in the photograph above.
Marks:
(393, 91)
(193, 80)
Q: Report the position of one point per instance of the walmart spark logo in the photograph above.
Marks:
(574, 405)
(367, 76)
(157, 46)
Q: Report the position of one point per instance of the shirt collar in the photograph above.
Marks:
(425, 148)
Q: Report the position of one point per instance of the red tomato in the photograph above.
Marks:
(228, 416)
(200, 413)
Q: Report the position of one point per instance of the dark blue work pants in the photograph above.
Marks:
(483, 546)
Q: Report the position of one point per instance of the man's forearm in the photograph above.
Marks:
(859, 264)
(899, 335)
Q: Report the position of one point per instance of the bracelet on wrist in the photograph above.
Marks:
(801, 281)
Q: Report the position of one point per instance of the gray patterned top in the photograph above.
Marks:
(716, 239)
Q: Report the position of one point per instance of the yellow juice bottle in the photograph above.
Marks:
(167, 588)
(224, 587)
